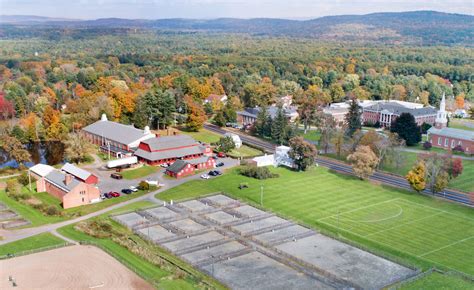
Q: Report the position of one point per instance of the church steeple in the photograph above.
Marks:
(441, 119)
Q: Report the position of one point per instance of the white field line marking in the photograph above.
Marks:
(403, 224)
(97, 286)
(452, 244)
(433, 208)
(356, 209)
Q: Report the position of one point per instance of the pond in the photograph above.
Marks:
(50, 153)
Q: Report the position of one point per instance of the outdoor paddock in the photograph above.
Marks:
(73, 267)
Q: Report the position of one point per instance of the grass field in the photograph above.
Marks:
(204, 136)
(32, 243)
(405, 225)
(464, 124)
(165, 275)
(245, 152)
(140, 172)
(438, 281)
(311, 135)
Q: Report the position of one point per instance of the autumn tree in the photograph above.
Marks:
(77, 148)
(6, 107)
(196, 115)
(460, 101)
(455, 167)
(416, 176)
(336, 92)
(441, 181)
(15, 149)
(363, 161)
(302, 152)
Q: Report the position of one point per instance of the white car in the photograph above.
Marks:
(133, 188)
(205, 176)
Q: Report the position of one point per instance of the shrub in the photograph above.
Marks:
(23, 179)
(143, 185)
(52, 210)
(427, 145)
(459, 149)
(257, 172)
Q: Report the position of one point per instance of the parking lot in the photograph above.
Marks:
(245, 247)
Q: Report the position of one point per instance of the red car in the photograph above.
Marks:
(221, 154)
(114, 194)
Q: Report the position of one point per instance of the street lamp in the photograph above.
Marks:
(261, 195)
(107, 142)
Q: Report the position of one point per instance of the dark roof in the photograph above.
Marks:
(57, 178)
(453, 133)
(177, 166)
(398, 109)
(272, 111)
(169, 142)
(123, 134)
(171, 153)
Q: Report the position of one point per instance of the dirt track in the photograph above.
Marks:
(74, 267)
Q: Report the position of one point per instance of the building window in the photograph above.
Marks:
(452, 143)
(459, 143)
(446, 142)
(439, 141)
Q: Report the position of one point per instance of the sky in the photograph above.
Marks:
(205, 9)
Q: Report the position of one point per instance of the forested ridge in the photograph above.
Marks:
(56, 84)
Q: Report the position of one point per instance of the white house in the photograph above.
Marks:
(265, 160)
(280, 158)
(235, 138)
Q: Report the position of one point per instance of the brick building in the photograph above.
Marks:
(386, 112)
(441, 136)
(71, 191)
(79, 173)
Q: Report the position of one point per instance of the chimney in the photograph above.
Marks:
(67, 178)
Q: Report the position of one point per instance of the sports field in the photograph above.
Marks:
(406, 225)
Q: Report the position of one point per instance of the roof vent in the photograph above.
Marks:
(146, 131)
(104, 117)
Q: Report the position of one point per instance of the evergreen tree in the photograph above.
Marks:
(279, 125)
(219, 119)
(406, 127)
(353, 118)
(230, 114)
(261, 122)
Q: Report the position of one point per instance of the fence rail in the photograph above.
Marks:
(33, 251)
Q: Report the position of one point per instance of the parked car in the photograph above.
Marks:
(164, 165)
(205, 176)
(127, 191)
(220, 164)
(212, 173)
(116, 176)
(104, 196)
(221, 155)
(114, 194)
(217, 172)
(133, 188)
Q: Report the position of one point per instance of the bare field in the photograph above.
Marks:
(74, 267)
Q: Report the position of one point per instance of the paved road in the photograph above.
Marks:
(14, 235)
(384, 178)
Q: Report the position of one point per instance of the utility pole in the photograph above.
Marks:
(261, 195)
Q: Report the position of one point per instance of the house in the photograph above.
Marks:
(79, 173)
(280, 158)
(182, 168)
(118, 139)
(338, 113)
(443, 137)
(249, 115)
(71, 191)
(168, 149)
(235, 138)
(285, 101)
(386, 112)
(216, 100)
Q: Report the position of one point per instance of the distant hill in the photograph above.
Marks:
(32, 19)
(418, 27)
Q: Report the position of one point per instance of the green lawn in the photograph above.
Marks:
(204, 136)
(32, 243)
(311, 135)
(140, 172)
(162, 276)
(245, 152)
(404, 225)
(438, 281)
